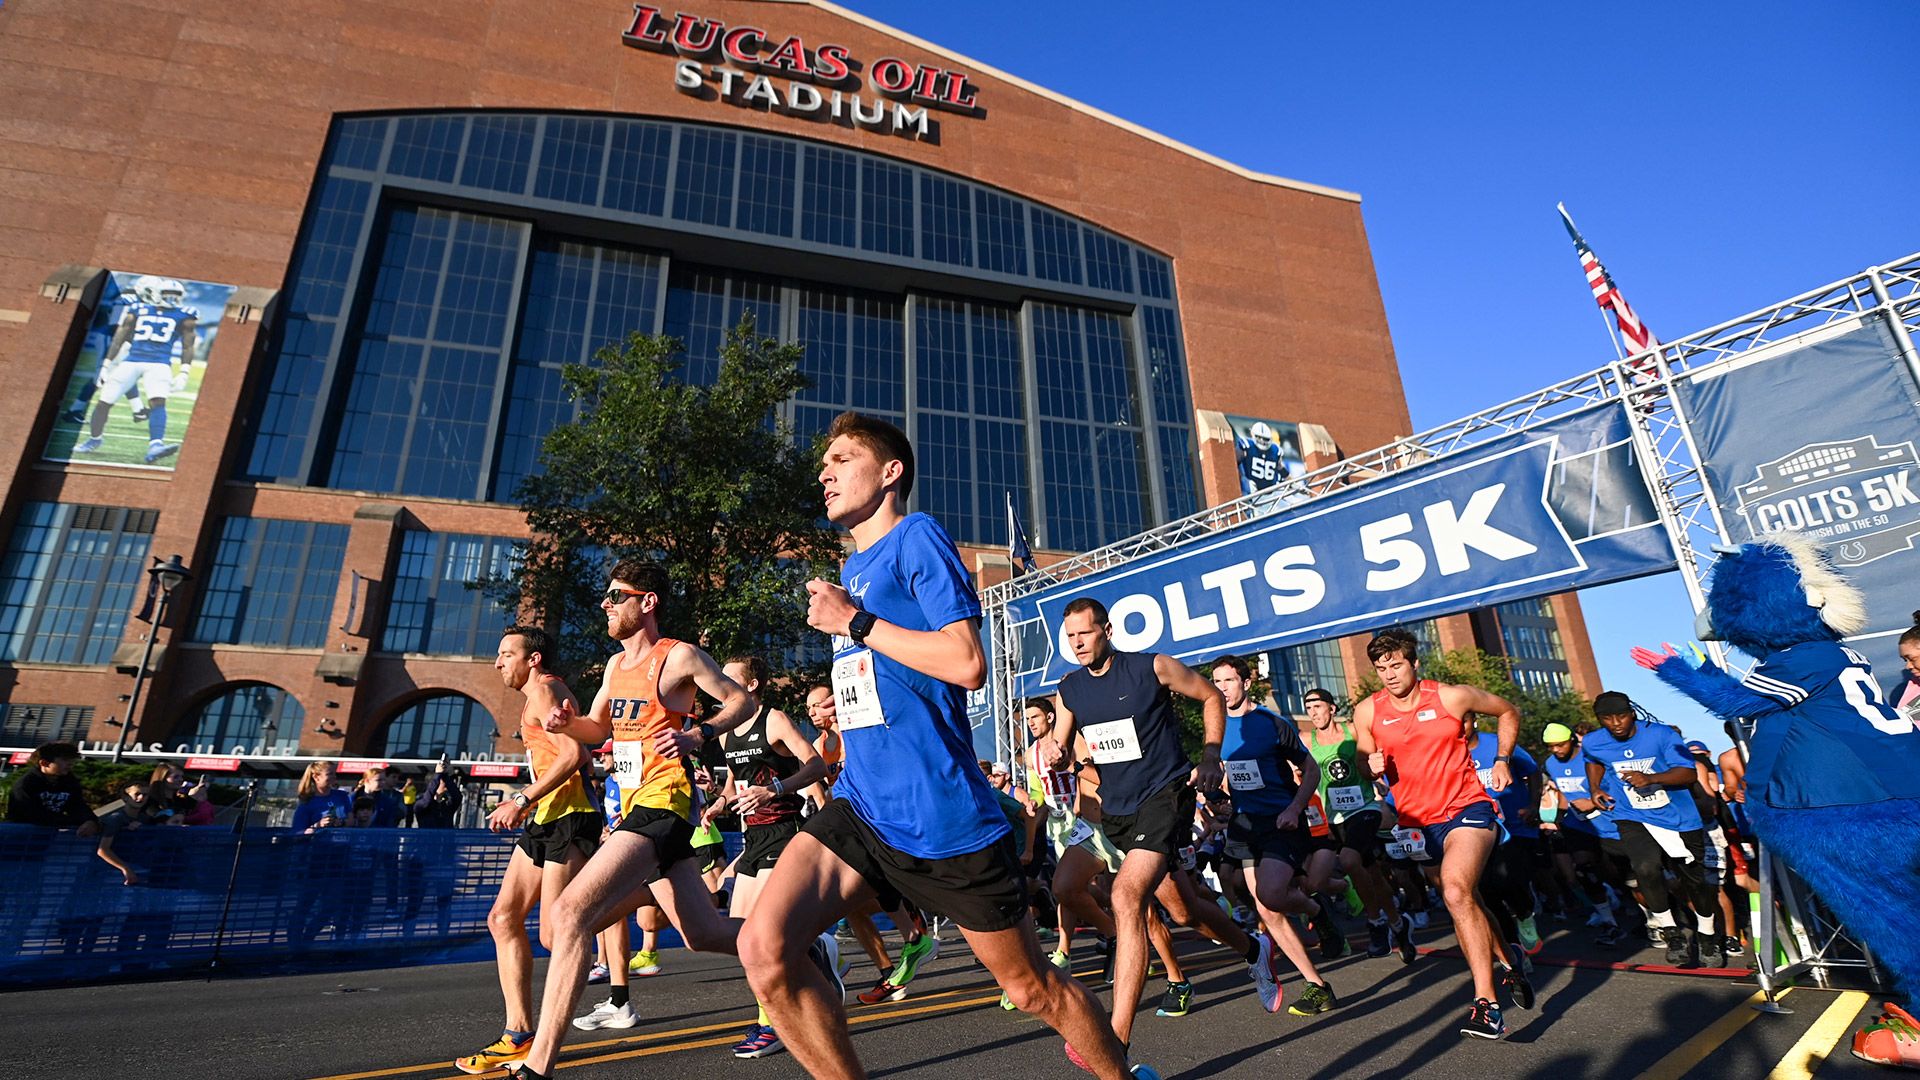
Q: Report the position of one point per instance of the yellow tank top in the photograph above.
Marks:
(542, 749)
(646, 778)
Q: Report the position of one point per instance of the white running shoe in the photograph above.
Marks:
(825, 953)
(1266, 980)
(608, 1015)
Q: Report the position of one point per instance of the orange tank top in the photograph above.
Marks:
(646, 778)
(571, 796)
(1429, 757)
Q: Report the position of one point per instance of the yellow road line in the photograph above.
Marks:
(1810, 1052)
(1695, 1050)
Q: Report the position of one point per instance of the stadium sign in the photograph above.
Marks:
(1855, 494)
(749, 68)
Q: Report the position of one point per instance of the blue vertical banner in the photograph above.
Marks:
(1557, 507)
(1821, 439)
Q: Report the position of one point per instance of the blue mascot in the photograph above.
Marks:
(1833, 779)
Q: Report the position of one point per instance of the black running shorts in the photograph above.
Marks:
(1360, 833)
(1254, 837)
(556, 840)
(981, 890)
(1163, 824)
(672, 836)
(763, 846)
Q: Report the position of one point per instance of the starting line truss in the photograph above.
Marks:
(1813, 941)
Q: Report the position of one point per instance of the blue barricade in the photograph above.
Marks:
(334, 899)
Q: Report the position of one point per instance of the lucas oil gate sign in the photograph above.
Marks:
(747, 67)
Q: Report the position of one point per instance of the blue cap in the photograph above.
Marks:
(1695, 746)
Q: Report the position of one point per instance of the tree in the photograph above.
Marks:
(705, 480)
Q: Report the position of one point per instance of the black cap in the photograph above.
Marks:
(1612, 703)
(1319, 693)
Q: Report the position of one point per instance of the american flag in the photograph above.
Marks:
(1607, 295)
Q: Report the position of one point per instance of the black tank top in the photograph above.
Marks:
(1127, 719)
(755, 762)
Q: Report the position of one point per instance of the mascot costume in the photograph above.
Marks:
(1833, 778)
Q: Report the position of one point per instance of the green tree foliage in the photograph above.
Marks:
(1494, 673)
(702, 479)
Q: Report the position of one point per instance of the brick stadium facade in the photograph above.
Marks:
(795, 158)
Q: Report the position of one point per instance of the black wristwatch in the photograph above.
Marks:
(1502, 757)
(860, 626)
(706, 733)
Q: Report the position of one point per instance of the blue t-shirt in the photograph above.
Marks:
(1652, 748)
(1570, 776)
(1517, 799)
(156, 333)
(1259, 754)
(309, 813)
(914, 778)
(1835, 741)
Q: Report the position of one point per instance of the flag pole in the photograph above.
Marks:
(1613, 332)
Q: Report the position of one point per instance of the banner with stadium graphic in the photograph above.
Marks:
(138, 375)
(1822, 438)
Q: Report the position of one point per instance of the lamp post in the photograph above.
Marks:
(168, 576)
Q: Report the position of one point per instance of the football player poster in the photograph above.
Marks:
(1268, 451)
(139, 371)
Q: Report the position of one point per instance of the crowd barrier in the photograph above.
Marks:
(292, 902)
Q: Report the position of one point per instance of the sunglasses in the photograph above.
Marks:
(617, 597)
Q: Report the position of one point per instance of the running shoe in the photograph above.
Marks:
(1675, 939)
(1333, 944)
(825, 954)
(502, 1053)
(1608, 936)
(646, 962)
(87, 446)
(1355, 905)
(1266, 973)
(1006, 1003)
(598, 974)
(1404, 939)
(760, 1042)
(1529, 935)
(1892, 1039)
(1060, 960)
(1484, 1021)
(921, 949)
(1177, 1000)
(1733, 947)
(521, 1072)
(1144, 1072)
(1379, 938)
(1656, 939)
(1314, 998)
(1514, 977)
(1707, 947)
(883, 990)
(608, 1015)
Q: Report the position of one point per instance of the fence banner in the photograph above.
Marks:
(1821, 438)
(1559, 507)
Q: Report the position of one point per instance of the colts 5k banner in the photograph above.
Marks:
(1554, 508)
(1821, 439)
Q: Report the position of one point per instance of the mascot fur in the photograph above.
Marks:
(1833, 780)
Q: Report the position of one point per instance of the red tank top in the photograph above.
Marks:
(1429, 758)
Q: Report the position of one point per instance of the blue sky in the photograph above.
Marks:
(1719, 157)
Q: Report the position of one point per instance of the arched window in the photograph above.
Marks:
(452, 724)
(253, 717)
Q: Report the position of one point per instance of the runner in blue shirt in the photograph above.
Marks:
(1574, 838)
(912, 817)
(1640, 770)
(1509, 879)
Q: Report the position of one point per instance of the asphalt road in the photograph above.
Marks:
(1592, 1020)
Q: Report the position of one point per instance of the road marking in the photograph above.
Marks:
(1808, 1054)
(1695, 1050)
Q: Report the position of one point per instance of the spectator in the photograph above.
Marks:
(387, 806)
(48, 793)
(442, 801)
(132, 814)
(322, 805)
(409, 795)
(190, 805)
(366, 812)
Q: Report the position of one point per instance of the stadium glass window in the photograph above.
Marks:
(254, 718)
(704, 304)
(1427, 633)
(1172, 407)
(1296, 670)
(1083, 368)
(967, 360)
(946, 220)
(572, 155)
(1156, 275)
(450, 724)
(24, 724)
(272, 583)
(766, 185)
(427, 362)
(829, 193)
(637, 160)
(1056, 247)
(703, 181)
(69, 579)
(427, 147)
(438, 606)
(1109, 262)
(1002, 232)
(357, 142)
(499, 149)
(886, 207)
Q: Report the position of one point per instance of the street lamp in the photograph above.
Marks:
(168, 576)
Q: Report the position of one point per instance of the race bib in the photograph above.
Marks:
(1486, 777)
(856, 694)
(629, 759)
(1113, 742)
(1346, 800)
(1079, 834)
(1315, 819)
(1652, 799)
(1412, 843)
(1244, 775)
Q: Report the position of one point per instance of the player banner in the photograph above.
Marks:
(1559, 507)
(1266, 451)
(1821, 438)
(138, 375)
